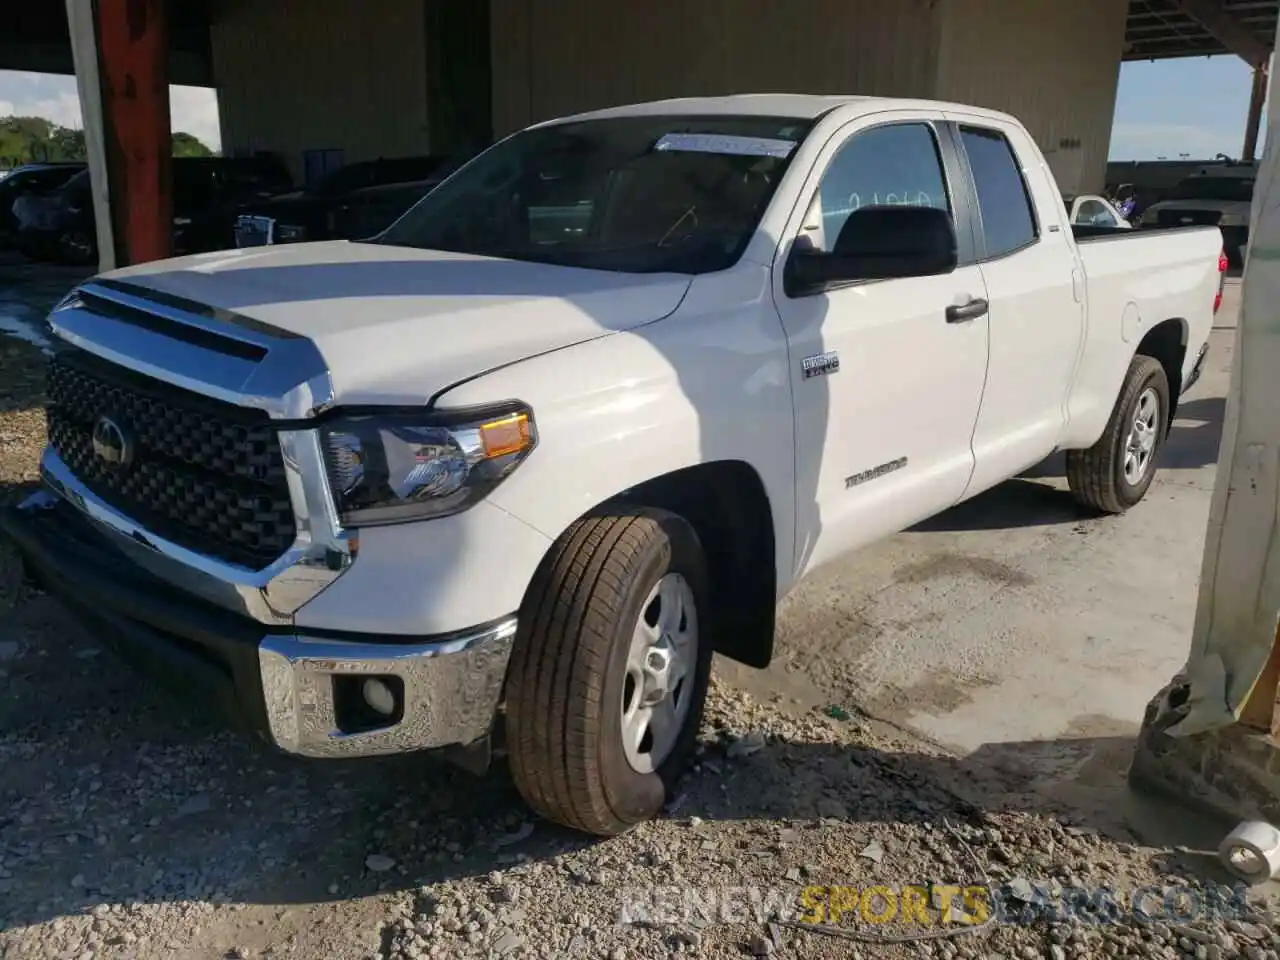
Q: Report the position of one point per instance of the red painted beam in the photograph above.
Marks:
(133, 45)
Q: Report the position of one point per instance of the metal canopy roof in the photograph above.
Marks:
(1160, 29)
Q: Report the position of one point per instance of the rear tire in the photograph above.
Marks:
(611, 618)
(1116, 472)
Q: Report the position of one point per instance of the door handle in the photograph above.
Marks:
(964, 312)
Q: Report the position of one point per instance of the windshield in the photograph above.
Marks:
(1213, 188)
(636, 194)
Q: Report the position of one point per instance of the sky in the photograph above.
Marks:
(1163, 109)
(1168, 107)
(193, 110)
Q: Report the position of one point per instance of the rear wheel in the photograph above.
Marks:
(1116, 472)
(610, 670)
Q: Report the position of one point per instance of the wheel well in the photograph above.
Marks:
(1166, 343)
(726, 503)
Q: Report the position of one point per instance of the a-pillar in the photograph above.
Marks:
(121, 49)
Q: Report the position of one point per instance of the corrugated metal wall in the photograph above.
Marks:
(296, 75)
(1054, 64)
(309, 74)
(552, 57)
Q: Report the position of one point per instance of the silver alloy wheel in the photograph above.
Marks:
(1140, 445)
(658, 688)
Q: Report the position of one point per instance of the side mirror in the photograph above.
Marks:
(877, 243)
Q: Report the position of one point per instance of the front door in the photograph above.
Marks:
(886, 384)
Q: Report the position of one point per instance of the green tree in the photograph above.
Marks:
(187, 145)
(34, 139)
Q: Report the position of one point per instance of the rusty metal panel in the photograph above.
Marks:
(1054, 64)
(296, 75)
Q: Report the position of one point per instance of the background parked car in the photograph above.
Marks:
(206, 192)
(324, 211)
(1218, 196)
(1092, 210)
(29, 180)
(368, 212)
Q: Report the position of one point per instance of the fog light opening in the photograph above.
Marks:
(362, 704)
(378, 696)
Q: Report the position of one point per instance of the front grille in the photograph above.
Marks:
(204, 474)
(1189, 218)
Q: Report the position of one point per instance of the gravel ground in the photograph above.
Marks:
(133, 827)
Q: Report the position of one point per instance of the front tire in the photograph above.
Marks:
(1116, 472)
(610, 670)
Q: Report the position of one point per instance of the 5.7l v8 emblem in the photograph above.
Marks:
(821, 364)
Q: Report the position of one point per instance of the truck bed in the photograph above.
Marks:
(1137, 279)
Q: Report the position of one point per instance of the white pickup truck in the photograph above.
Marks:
(519, 464)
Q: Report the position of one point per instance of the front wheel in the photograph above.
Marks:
(610, 670)
(1115, 473)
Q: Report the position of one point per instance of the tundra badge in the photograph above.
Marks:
(820, 364)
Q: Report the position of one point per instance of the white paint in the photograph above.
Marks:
(634, 376)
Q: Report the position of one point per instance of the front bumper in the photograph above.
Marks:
(300, 690)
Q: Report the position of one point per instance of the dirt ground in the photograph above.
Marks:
(131, 826)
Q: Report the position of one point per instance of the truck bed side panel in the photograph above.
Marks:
(1134, 281)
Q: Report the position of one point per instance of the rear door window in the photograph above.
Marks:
(1008, 218)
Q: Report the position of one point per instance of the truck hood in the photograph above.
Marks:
(397, 324)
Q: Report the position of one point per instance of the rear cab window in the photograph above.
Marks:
(1004, 201)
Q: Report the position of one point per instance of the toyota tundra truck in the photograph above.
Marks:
(517, 466)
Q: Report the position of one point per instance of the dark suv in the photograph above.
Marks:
(322, 212)
(206, 192)
(29, 180)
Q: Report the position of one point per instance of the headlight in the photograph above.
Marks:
(290, 233)
(393, 467)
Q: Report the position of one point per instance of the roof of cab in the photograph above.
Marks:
(801, 106)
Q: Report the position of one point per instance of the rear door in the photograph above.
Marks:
(1035, 290)
(886, 390)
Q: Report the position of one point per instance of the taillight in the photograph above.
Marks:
(1223, 264)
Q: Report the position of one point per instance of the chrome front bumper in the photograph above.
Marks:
(298, 691)
(450, 689)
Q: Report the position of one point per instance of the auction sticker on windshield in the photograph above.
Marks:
(726, 144)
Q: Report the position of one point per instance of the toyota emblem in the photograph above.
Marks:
(112, 445)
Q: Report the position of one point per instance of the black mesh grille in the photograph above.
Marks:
(206, 475)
